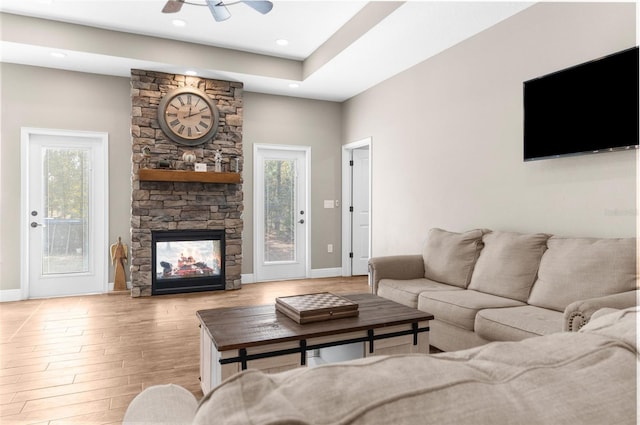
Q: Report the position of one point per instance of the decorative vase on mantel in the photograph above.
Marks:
(189, 157)
(217, 161)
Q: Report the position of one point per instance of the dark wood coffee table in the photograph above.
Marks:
(259, 337)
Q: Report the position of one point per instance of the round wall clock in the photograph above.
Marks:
(188, 116)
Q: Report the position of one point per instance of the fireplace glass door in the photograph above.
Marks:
(187, 261)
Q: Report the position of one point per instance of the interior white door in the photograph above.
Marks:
(281, 216)
(66, 210)
(360, 215)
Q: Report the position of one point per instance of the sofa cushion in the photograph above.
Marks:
(406, 291)
(460, 307)
(575, 269)
(450, 257)
(508, 264)
(516, 323)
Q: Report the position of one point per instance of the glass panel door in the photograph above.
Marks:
(281, 220)
(279, 210)
(65, 210)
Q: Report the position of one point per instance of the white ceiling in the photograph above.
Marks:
(413, 32)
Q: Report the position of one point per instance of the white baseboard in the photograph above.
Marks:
(247, 278)
(110, 286)
(7, 295)
(333, 272)
(315, 274)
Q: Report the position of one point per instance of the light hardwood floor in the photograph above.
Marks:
(83, 359)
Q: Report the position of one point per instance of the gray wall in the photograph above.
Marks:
(49, 98)
(447, 136)
(292, 121)
(447, 140)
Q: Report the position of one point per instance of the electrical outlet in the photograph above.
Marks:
(330, 247)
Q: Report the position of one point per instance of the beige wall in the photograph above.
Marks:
(291, 121)
(447, 140)
(447, 136)
(49, 98)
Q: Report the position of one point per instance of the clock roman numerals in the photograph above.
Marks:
(188, 116)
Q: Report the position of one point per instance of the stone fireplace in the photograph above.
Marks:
(179, 199)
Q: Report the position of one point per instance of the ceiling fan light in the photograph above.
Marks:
(218, 10)
(262, 6)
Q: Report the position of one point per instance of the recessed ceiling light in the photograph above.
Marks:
(294, 85)
(58, 55)
(191, 73)
(282, 42)
(179, 23)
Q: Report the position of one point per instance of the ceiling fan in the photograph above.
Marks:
(218, 8)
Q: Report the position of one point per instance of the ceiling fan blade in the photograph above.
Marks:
(218, 10)
(262, 6)
(172, 6)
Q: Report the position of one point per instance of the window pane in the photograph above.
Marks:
(279, 180)
(66, 205)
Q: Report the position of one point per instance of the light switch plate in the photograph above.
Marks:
(328, 204)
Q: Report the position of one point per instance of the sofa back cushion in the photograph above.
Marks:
(450, 257)
(508, 264)
(575, 269)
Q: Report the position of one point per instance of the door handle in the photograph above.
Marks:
(34, 224)
(301, 221)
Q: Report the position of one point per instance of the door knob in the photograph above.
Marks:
(301, 221)
(34, 224)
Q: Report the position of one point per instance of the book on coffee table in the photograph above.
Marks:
(316, 307)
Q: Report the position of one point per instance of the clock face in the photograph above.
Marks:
(188, 116)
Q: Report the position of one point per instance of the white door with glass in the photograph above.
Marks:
(64, 212)
(281, 212)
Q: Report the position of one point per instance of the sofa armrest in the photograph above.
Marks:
(578, 313)
(395, 267)
(162, 405)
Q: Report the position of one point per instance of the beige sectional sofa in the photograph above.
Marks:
(485, 285)
(586, 377)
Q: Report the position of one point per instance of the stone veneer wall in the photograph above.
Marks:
(177, 205)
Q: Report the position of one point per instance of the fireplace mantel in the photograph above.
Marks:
(188, 176)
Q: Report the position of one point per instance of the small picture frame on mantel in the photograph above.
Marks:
(200, 166)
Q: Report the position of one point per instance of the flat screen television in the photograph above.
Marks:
(588, 108)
